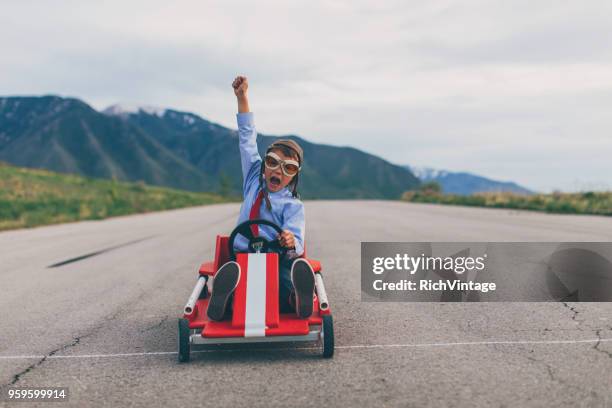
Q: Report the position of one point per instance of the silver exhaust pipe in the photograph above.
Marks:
(195, 295)
(321, 294)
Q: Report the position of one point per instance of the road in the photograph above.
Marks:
(105, 325)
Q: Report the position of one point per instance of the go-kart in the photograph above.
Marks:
(255, 314)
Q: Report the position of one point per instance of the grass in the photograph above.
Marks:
(31, 197)
(598, 203)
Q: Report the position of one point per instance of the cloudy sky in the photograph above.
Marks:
(513, 90)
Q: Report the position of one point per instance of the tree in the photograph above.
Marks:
(431, 187)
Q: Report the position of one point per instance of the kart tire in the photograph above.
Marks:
(184, 347)
(328, 336)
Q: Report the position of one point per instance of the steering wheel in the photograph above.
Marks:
(257, 244)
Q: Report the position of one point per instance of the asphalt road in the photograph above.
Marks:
(105, 326)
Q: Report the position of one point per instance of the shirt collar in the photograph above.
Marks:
(281, 193)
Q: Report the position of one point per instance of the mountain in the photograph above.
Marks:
(465, 183)
(172, 148)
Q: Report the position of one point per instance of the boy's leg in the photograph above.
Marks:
(302, 277)
(285, 287)
(224, 284)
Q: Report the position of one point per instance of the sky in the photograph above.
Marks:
(517, 91)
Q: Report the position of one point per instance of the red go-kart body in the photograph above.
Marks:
(255, 310)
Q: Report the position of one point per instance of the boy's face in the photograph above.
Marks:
(276, 180)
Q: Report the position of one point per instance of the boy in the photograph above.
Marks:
(270, 193)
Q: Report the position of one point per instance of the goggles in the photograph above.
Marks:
(289, 167)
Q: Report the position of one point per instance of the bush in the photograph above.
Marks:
(599, 203)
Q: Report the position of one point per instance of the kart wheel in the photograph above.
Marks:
(327, 336)
(183, 341)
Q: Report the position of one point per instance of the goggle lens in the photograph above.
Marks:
(271, 162)
(291, 169)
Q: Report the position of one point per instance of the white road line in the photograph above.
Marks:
(55, 357)
(476, 343)
(347, 347)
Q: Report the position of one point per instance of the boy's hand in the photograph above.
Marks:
(240, 85)
(287, 239)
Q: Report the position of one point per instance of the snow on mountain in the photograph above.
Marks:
(427, 173)
(186, 118)
(121, 109)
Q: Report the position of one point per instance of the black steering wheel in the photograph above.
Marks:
(258, 243)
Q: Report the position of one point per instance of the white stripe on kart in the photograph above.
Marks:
(255, 314)
(347, 347)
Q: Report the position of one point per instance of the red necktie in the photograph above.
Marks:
(254, 214)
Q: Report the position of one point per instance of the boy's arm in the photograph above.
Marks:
(247, 134)
(295, 223)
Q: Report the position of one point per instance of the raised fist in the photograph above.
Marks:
(240, 85)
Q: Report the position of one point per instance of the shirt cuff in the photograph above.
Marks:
(299, 249)
(244, 118)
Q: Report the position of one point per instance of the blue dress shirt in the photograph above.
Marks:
(287, 211)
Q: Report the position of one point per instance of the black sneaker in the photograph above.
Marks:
(302, 277)
(224, 283)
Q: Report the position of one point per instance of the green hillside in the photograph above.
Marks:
(31, 197)
(68, 136)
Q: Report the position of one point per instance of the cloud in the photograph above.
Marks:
(499, 88)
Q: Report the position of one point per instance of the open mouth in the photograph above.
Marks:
(274, 182)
